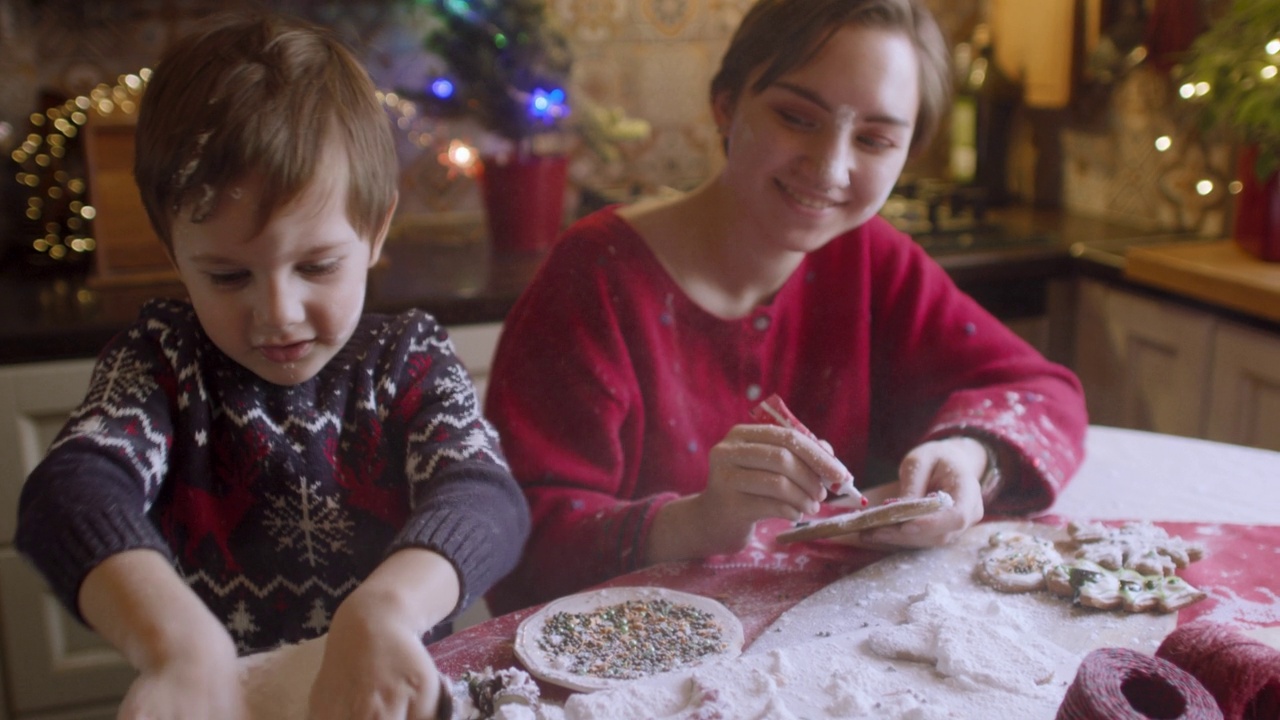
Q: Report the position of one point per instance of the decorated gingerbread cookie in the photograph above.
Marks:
(1140, 546)
(1089, 583)
(1016, 562)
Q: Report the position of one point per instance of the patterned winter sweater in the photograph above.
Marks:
(274, 502)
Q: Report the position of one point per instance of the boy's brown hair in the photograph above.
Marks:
(259, 94)
(782, 35)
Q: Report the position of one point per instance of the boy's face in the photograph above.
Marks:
(281, 301)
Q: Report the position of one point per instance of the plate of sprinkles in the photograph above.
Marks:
(602, 638)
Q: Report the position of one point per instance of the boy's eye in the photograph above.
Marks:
(228, 279)
(319, 269)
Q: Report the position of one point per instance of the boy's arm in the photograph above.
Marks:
(185, 658)
(374, 651)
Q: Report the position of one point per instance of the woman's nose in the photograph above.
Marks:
(834, 161)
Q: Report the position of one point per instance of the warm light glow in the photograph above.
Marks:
(461, 155)
(1273, 47)
(1203, 88)
(88, 212)
(1187, 91)
(1234, 187)
(1268, 72)
(1204, 187)
(1163, 143)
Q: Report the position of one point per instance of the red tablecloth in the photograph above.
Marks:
(1240, 572)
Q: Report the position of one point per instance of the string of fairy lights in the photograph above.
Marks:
(48, 167)
(58, 204)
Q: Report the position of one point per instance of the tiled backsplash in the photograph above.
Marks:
(652, 58)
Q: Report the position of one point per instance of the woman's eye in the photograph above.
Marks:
(874, 143)
(796, 119)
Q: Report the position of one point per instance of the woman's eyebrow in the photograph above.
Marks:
(818, 100)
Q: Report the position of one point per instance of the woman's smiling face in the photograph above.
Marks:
(817, 152)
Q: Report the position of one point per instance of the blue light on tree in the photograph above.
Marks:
(548, 106)
(442, 88)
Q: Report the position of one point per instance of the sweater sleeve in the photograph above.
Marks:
(948, 368)
(564, 395)
(88, 498)
(465, 503)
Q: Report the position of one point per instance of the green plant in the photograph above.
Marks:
(1232, 76)
(506, 65)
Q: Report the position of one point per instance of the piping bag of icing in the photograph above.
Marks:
(772, 411)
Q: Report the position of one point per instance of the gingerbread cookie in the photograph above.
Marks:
(1016, 562)
(1140, 546)
(1093, 585)
(891, 511)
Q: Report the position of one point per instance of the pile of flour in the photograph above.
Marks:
(913, 637)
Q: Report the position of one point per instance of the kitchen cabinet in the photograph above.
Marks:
(55, 668)
(1151, 362)
(53, 662)
(1244, 404)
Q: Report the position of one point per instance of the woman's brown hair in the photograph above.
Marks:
(782, 35)
(259, 94)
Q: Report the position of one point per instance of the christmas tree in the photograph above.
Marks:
(506, 64)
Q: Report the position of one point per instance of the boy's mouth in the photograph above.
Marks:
(285, 353)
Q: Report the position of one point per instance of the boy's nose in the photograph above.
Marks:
(279, 306)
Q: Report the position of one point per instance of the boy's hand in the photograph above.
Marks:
(202, 686)
(186, 661)
(375, 664)
(374, 667)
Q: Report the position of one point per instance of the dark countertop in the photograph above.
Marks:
(460, 280)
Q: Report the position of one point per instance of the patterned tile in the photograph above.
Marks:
(654, 58)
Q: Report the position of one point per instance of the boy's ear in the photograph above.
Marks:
(381, 237)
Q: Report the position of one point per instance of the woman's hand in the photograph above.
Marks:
(954, 465)
(756, 472)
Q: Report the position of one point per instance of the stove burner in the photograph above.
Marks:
(944, 217)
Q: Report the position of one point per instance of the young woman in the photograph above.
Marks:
(626, 374)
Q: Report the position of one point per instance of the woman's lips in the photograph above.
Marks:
(285, 353)
(807, 200)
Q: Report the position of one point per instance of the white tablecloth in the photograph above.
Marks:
(1131, 474)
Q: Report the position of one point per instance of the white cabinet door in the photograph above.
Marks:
(1245, 402)
(475, 345)
(34, 403)
(1144, 363)
(54, 661)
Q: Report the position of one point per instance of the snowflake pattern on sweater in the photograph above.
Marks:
(274, 502)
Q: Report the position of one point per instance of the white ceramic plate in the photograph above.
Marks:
(555, 668)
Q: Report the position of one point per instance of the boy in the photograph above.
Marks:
(267, 464)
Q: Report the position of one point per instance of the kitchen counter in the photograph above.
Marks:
(1218, 272)
(459, 279)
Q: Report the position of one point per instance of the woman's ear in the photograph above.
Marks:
(722, 106)
(380, 239)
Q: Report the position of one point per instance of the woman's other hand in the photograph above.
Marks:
(954, 465)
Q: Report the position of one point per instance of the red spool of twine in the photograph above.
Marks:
(1242, 674)
(1124, 684)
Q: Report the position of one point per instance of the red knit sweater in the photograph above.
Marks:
(610, 386)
